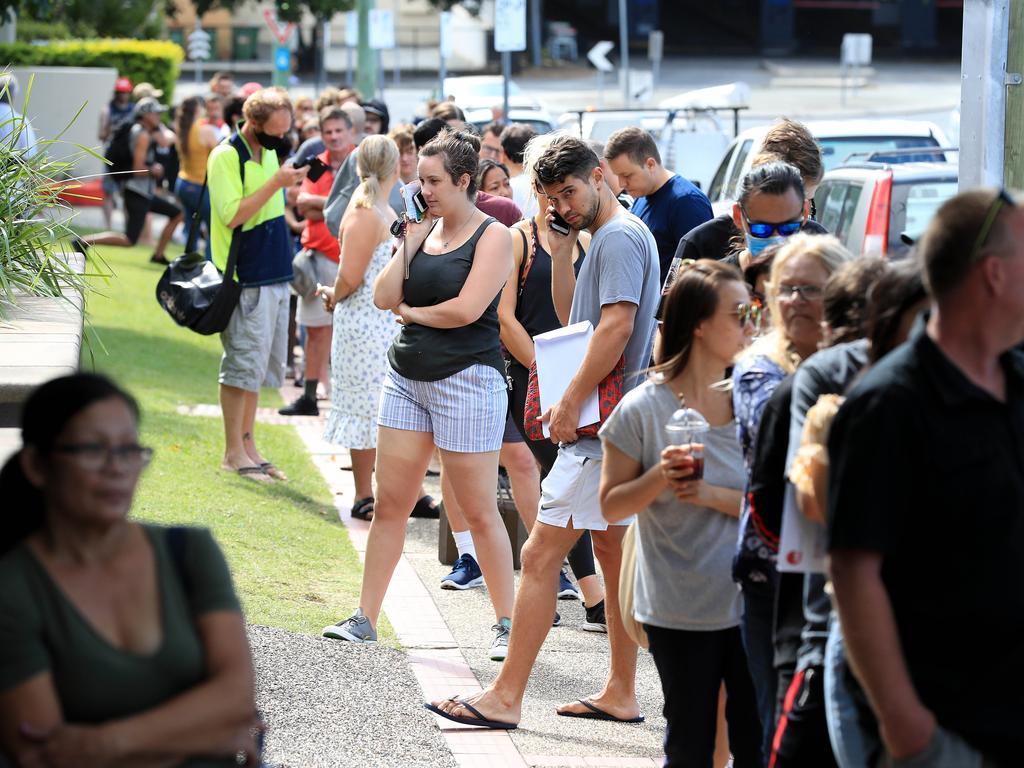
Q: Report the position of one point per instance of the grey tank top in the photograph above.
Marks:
(432, 354)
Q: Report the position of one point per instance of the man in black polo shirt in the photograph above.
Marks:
(926, 504)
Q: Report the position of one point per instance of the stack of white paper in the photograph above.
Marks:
(559, 356)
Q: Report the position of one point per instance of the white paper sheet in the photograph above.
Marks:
(802, 542)
(559, 355)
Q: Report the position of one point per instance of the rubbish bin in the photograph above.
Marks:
(448, 553)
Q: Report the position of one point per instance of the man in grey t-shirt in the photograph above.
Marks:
(617, 291)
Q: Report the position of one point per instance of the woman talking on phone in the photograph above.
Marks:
(446, 385)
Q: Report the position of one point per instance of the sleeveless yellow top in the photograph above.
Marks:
(193, 162)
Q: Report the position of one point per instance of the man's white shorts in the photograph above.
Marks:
(570, 492)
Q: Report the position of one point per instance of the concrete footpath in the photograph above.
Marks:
(333, 703)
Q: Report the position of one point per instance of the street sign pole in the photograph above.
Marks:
(624, 51)
(509, 35)
(366, 65)
(351, 43)
(506, 75)
(655, 52)
(445, 49)
(598, 56)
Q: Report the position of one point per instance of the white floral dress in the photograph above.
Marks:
(359, 360)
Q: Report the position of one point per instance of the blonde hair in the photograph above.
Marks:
(831, 255)
(533, 151)
(262, 104)
(376, 160)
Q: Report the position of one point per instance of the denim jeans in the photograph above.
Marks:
(188, 193)
(757, 628)
(851, 744)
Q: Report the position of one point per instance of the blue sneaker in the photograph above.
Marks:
(566, 589)
(465, 574)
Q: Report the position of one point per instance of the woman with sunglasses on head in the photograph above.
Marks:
(123, 642)
(794, 295)
(686, 527)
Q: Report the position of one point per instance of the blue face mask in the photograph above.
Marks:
(758, 244)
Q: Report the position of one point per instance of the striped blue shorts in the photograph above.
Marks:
(465, 412)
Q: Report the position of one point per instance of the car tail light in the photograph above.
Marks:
(876, 233)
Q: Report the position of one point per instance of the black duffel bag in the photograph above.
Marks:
(196, 294)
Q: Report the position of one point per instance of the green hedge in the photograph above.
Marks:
(150, 61)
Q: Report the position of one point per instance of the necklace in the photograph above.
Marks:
(444, 243)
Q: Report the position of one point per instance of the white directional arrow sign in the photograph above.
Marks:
(598, 56)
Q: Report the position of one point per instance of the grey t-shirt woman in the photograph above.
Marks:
(684, 551)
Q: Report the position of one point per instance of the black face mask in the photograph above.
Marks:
(280, 144)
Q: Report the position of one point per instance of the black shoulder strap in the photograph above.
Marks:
(243, 154)
(176, 543)
(526, 263)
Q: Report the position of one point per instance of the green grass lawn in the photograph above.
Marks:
(292, 561)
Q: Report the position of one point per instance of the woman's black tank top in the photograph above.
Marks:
(535, 309)
(431, 354)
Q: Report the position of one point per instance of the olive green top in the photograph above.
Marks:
(42, 630)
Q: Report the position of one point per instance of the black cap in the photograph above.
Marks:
(380, 109)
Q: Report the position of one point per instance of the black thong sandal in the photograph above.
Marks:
(427, 507)
(363, 509)
(596, 713)
(478, 719)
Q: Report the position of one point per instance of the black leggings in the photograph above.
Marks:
(692, 667)
(581, 556)
(136, 206)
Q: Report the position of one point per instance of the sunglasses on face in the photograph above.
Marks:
(805, 292)
(764, 229)
(94, 456)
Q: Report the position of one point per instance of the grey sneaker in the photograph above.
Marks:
(499, 645)
(356, 629)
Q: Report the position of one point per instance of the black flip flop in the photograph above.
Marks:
(363, 509)
(427, 507)
(478, 720)
(596, 713)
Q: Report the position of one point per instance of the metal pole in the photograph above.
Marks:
(624, 51)
(983, 92)
(349, 67)
(441, 75)
(366, 74)
(506, 74)
(536, 7)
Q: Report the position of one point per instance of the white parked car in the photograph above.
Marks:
(839, 139)
(540, 120)
(486, 91)
(870, 206)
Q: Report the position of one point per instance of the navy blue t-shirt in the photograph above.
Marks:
(670, 212)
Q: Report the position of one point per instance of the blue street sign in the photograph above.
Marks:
(282, 59)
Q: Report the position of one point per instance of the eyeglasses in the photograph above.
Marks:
(1003, 198)
(749, 314)
(94, 456)
(764, 229)
(805, 292)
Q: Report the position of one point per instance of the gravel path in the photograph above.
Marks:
(336, 704)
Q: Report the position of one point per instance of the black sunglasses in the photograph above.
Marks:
(1001, 199)
(764, 229)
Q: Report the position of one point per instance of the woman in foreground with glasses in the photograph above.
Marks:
(795, 288)
(123, 643)
(687, 522)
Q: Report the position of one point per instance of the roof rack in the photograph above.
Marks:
(669, 112)
(872, 156)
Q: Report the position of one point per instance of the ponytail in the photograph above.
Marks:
(367, 193)
(24, 502)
